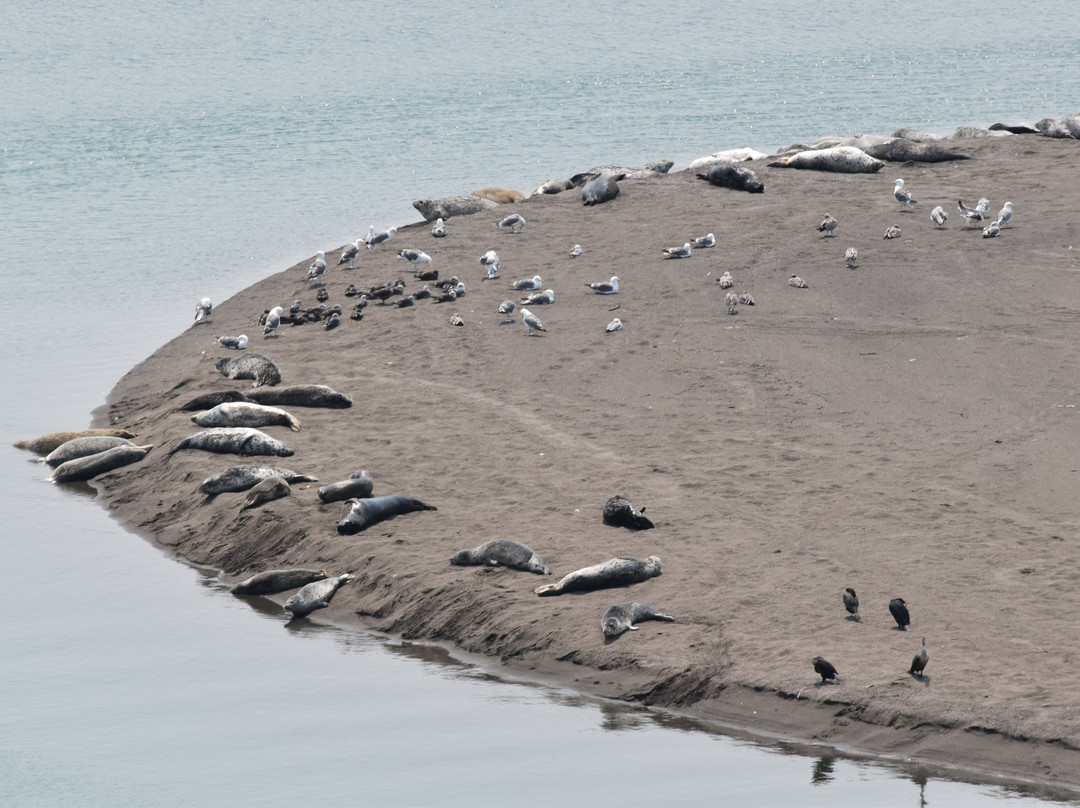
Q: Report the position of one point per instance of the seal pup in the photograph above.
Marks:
(525, 284)
(892, 232)
(515, 221)
(202, 310)
(738, 178)
(501, 553)
(83, 447)
(532, 322)
(48, 442)
(918, 664)
(273, 581)
(678, 252)
(267, 491)
(600, 189)
(824, 669)
(899, 610)
(241, 478)
(358, 486)
(250, 366)
(242, 413)
(797, 282)
(302, 395)
(85, 468)
(705, 241)
(613, 326)
(539, 298)
(851, 603)
(938, 216)
(239, 440)
(902, 195)
(828, 225)
(318, 267)
(620, 617)
(618, 511)
(207, 401)
(316, 595)
(439, 228)
(610, 287)
(851, 257)
(360, 514)
(350, 252)
(381, 237)
(449, 206)
(621, 571)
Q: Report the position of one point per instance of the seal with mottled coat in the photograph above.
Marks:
(448, 206)
(316, 595)
(272, 581)
(621, 571)
(621, 617)
(501, 553)
(302, 395)
(736, 177)
(360, 514)
(242, 413)
(207, 401)
(241, 478)
(239, 440)
(623, 172)
(901, 150)
(86, 468)
(839, 159)
(358, 486)
(267, 491)
(83, 447)
(250, 366)
(620, 512)
(51, 440)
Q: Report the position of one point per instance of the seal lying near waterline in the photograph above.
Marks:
(316, 595)
(243, 413)
(241, 478)
(623, 172)
(620, 512)
(448, 206)
(239, 440)
(621, 571)
(900, 150)
(501, 553)
(267, 491)
(50, 441)
(250, 366)
(302, 395)
(83, 447)
(86, 468)
(739, 178)
(602, 188)
(272, 581)
(839, 159)
(622, 616)
(358, 486)
(207, 401)
(360, 514)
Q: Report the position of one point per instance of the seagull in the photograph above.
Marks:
(892, 232)
(459, 288)
(273, 320)
(350, 252)
(1005, 214)
(295, 307)
(918, 664)
(370, 234)
(902, 195)
(746, 299)
(203, 309)
(414, 256)
(732, 303)
(575, 251)
(438, 229)
(507, 307)
(605, 287)
(490, 260)
(851, 602)
(851, 257)
(977, 213)
(235, 343)
(423, 294)
(540, 298)
(705, 241)
(515, 221)
(992, 230)
(528, 283)
(379, 238)
(318, 266)
(726, 281)
(828, 224)
(824, 669)
(333, 321)
(938, 216)
(531, 323)
(614, 325)
(678, 252)
(797, 282)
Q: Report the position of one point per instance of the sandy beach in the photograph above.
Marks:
(906, 428)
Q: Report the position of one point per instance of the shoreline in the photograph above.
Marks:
(772, 484)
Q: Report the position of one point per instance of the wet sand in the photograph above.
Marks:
(907, 428)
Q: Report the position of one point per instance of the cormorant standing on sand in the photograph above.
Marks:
(898, 609)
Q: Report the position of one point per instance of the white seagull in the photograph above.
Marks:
(851, 257)
(515, 221)
(1005, 214)
(350, 252)
(938, 216)
(902, 195)
(540, 298)
(318, 266)
(614, 325)
(273, 320)
(797, 282)
(705, 241)
(235, 343)
(892, 232)
(726, 281)
(678, 252)
(438, 229)
(203, 309)
(531, 322)
(575, 251)
(381, 238)
(414, 256)
(507, 308)
(992, 230)
(828, 224)
(605, 287)
(490, 262)
(528, 283)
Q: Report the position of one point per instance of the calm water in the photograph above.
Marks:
(156, 153)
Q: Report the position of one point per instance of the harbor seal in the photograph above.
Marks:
(602, 188)
(900, 150)
(272, 581)
(83, 447)
(242, 413)
(553, 187)
(360, 514)
(621, 571)
(240, 440)
(85, 468)
(302, 395)
(316, 595)
(51, 440)
(501, 553)
(739, 178)
(241, 478)
(500, 196)
(250, 366)
(461, 205)
(618, 511)
(267, 491)
(839, 159)
(623, 172)
(621, 617)
(207, 401)
(1063, 128)
(358, 486)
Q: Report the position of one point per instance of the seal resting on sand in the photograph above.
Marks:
(271, 581)
(316, 595)
(553, 187)
(86, 468)
(623, 172)
(501, 553)
(839, 159)
(602, 188)
(241, 478)
(728, 175)
(302, 395)
(900, 150)
(239, 440)
(83, 447)
(207, 401)
(620, 512)
(243, 413)
(461, 205)
(500, 196)
(250, 366)
(267, 491)
(360, 514)
(615, 572)
(358, 486)
(52, 440)
(622, 616)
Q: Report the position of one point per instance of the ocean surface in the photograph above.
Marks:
(153, 154)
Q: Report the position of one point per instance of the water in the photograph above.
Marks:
(152, 155)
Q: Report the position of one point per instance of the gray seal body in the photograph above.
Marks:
(86, 468)
(83, 447)
(271, 581)
(621, 617)
(316, 595)
(360, 514)
(302, 395)
(244, 413)
(250, 366)
(502, 553)
(358, 486)
(239, 440)
(241, 478)
(615, 572)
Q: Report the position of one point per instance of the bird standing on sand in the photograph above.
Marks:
(515, 221)
(851, 257)
(920, 660)
(507, 308)
(531, 322)
(1005, 214)
(490, 262)
(678, 252)
(414, 256)
(273, 320)
(614, 325)
(828, 224)
(824, 669)
(380, 238)
(898, 609)
(318, 266)
(350, 252)
(203, 309)
(902, 195)
(731, 301)
(892, 232)
(606, 287)
(977, 213)
(726, 281)
(938, 216)
(851, 602)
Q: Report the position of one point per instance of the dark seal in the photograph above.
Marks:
(250, 366)
(601, 188)
(302, 395)
(727, 175)
(272, 581)
(86, 468)
(501, 553)
(900, 150)
(620, 512)
(208, 401)
(360, 514)
(358, 486)
(615, 572)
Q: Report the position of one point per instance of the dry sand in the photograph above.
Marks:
(908, 428)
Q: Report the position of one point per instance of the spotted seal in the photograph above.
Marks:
(207, 401)
(239, 440)
(83, 447)
(86, 468)
(501, 553)
(900, 150)
(727, 156)
(272, 581)
(623, 172)
(602, 188)
(620, 512)
(316, 595)
(358, 486)
(241, 478)
(839, 159)
(267, 491)
(360, 514)
(500, 196)
(50, 441)
(621, 617)
(302, 395)
(250, 366)
(729, 175)
(461, 205)
(242, 413)
(1061, 128)
(553, 187)
(620, 571)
